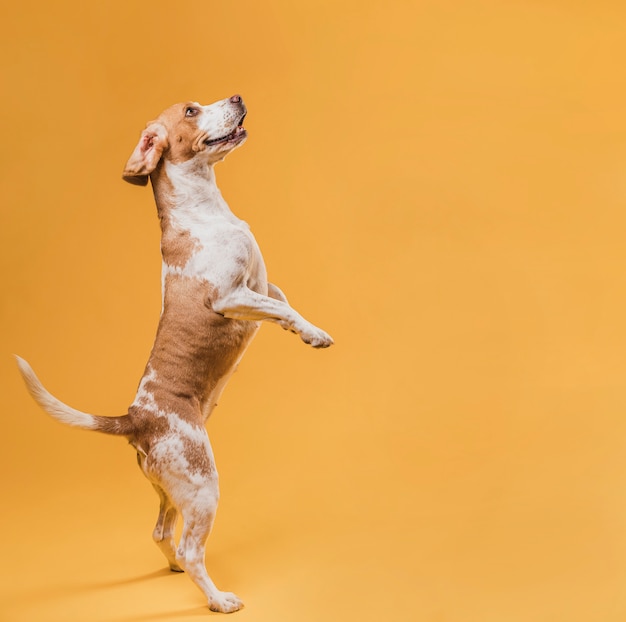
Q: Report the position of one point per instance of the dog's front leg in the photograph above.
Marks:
(245, 304)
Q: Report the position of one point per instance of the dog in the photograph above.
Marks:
(215, 293)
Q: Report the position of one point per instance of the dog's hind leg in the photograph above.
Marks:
(163, 533)
(198, 519)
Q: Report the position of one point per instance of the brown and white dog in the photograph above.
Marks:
(215, 293)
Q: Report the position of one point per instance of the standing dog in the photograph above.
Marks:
(215, 293)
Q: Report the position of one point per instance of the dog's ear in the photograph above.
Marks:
(146, 155)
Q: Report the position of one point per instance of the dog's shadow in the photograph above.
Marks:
(259, 543)
(55, 592)
(52, 592)
(169, 615)
(201, 610)
(162, 572)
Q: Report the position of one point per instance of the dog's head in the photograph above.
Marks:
(186, 131)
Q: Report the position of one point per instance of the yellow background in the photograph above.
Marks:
(439, 184)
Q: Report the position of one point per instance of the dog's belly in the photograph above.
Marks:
(195, 352)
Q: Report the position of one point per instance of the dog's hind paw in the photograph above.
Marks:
(225, 602)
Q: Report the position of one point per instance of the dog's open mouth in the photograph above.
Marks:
(238, 132)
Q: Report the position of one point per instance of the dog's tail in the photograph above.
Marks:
(110, 425)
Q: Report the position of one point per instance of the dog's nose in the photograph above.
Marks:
(236, 99)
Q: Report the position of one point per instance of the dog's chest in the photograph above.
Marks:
(218, 249)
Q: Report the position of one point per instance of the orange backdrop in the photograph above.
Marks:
(440, 185)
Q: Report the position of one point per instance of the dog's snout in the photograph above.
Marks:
(236, 99)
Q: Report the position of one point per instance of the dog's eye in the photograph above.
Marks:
(191, 112)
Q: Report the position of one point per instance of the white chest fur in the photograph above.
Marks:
(225, 253)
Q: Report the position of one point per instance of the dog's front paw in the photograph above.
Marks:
(317, 338)
(225, 602)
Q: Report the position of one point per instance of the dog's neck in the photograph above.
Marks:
(186, 192)
(188, 204)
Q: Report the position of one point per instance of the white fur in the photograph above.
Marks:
(225, 242)
(218, 119)
(144, 398)
(53, 406)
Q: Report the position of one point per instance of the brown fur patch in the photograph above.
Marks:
(177, 246)
(194, 349)
(183, 133)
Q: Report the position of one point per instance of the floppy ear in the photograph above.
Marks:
(146, 155)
